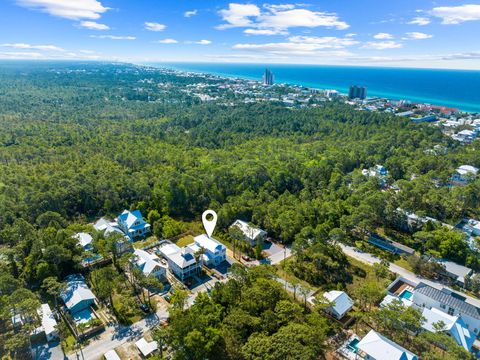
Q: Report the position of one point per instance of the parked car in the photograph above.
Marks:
(246, 257)
(144, 308)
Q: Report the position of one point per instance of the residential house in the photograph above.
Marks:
(425, 296)
(77, 296)
(85, 240)
(149, 264)
(379, 172)
(111, 355)
(251, 234)
(122, 244)
(133, 224)
(454, 326)
(181, 261)
(49, 324)
(146, 348)
(389, 245)
(341, 303)
(375, 346)
(214, 251)
(471, 227)
(455, 271)
(463, 175)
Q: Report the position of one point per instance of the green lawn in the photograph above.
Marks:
(144, 243)
(186, 240)
(403, 263)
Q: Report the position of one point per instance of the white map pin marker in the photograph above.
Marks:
(209, 225)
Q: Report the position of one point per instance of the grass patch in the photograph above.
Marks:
(186, 240)
(126, 308)
(403, 263)
(144, 243)
(362, 273)
(68, 344)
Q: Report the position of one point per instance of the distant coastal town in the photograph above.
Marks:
(459, 125)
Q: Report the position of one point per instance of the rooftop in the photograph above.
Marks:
(208, 243)
(342, 302)
(247, 229)
(76, 291)
(146, 348)
(379, 347)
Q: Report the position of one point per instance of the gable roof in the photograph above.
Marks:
(76, 291)
(453, 325)
(248, 230)
(208, 243)
(448, 298)
(458, 270)
(84, 239)
(48, 320)
(108, 226)
(182, 257)
(129, 217)
(147, 262)
(342, 302)
(146, 348)
(379, 347)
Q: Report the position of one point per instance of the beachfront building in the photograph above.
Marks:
(181, 261)
(149, 264)
(252, 234)
(341, 303)
(214, 252)
(425, 296)
(133, 225)
(375, 346)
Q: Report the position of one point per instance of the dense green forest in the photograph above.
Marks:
(83, 140)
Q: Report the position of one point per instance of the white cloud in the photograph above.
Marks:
(33, 47)
(19, 55)
(350, 35)
(69, 9)
(113, 37)
(153, 26)
(203, 42)
(382, 45)
(417, 36)
(264, 32)
(420, 20)
(238, 15)
(167, 41)
(383, 36)
(92, 25)
(190, 13)
(277, 18)
(457, 14)
(326, 42)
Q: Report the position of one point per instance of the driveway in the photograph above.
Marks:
(276, 252)
(48, 351)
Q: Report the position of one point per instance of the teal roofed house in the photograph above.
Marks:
(133, 224)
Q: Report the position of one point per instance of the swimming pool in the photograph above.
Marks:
(83, 316)
(406, 294)
(353, 345)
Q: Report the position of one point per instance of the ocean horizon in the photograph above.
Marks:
(444, 87)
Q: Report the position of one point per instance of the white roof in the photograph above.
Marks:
(108, 226)
(248, 230)
(111, 355)
(182, 257)
(48, 320)
(146, 348)
(379, 347)
(467, 169)
(342, 302)
(208, 243)
(84, 239)
(458, 270)
(76, 291)
(147, 262)
(466, 132)
(453, 324)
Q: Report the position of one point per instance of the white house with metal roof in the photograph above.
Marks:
(375, 346)
(150, 264)
(252, 234)
(341, 303)
(214, 251)
(48, 323)
(146, 348)
(77, 296)
(111, 355)
(181, 261)
(454, 326)
(84, 240)
(133, 224)
(425, 296)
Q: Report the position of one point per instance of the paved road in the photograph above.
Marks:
(370, 259)
(49, 351)
(279, 256)
(117, 335)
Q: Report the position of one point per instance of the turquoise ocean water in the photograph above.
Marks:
(453, 88)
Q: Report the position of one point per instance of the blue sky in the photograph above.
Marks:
(410, 33)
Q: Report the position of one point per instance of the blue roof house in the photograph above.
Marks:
(133, 224)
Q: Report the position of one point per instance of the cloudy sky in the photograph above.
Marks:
(413, 33)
